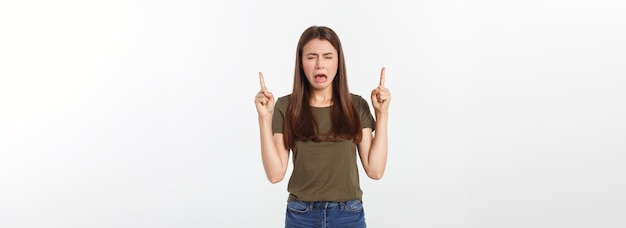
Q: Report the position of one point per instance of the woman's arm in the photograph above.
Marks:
(273, 152)
(373, 149)
(373, 146)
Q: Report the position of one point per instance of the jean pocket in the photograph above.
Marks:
(353, 206)
(298, 206)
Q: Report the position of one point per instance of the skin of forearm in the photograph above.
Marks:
(269, 154)
(377, 158)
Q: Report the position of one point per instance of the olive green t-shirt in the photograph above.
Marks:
(324, 171)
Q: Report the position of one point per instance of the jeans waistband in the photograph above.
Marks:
(325, 204)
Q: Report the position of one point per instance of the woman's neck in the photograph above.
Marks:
(321, 98)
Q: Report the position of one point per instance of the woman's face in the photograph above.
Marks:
(319, 63)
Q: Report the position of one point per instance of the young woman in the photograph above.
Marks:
(323, 125)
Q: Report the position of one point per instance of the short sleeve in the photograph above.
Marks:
(367, 120)
(278, 117)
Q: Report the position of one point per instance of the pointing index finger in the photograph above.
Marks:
(382, 78)
(262, 82)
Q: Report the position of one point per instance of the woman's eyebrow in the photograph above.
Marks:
(328, 53)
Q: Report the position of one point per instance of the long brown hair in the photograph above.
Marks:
(299, 121)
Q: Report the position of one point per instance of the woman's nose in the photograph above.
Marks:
(318, 64)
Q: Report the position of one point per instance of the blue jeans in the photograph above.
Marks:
(348, 214)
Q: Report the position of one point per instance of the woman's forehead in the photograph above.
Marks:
(318, 46)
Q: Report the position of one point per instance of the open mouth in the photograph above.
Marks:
(320, 78)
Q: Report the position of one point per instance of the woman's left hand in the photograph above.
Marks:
(381, 95)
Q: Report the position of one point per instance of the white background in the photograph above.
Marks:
(141, 114)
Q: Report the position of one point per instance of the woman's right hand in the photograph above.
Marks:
(264, 100)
